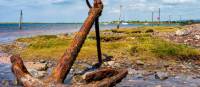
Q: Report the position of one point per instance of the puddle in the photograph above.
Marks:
(150, 81)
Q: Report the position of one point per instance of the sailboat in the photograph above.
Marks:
(124, 23)
(20, 20)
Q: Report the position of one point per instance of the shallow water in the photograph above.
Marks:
(150, 81)
(5, 72)
(10, 32)
(7, 79)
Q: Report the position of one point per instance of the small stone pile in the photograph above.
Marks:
(189, 36)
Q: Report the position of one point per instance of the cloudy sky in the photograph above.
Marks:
(76, 10)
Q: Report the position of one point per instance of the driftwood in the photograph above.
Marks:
(56, 79)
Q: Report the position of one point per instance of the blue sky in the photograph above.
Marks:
(76, 10)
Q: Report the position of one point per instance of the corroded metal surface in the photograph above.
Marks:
(98, 39)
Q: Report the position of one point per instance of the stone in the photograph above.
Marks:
(161, 75)
(42, 61)
(197, 37)
(49, 64)
(182, 32)
(5, 83)
(111, 63)
(117, 65)
(37, 74)
(15, 82)
(139, 75)
(72, 70)
(105, 64)
(139, 62)
(158, 86)
(131, 71)
(36, 65)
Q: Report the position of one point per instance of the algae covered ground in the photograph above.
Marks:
(122, 44)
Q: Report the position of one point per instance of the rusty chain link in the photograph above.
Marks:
(97, 30)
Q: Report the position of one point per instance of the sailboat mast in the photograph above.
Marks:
(159, 17)
(20, 20)
(152, 18)
(120, 14)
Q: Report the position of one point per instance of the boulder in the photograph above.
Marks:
(161, 75)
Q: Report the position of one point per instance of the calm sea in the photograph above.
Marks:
(10, 32)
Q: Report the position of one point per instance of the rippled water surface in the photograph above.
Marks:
(5, 72)
(150, 81)
(9, 32)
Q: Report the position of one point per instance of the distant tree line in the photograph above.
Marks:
(183, 22)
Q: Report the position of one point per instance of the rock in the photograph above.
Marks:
(117, 65)
(37, 74)
(139, 75)
(139, 62)
(15, 82)
(197, 37)
(105, 64)
(182, 32)
(161, 75)
(36, 65)
(111, 63)
(42, 61)
(196, 77)
(50, 64)
(72, 71)
(107, 58)
(158, 86)
(131, 71)
(5, 83)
